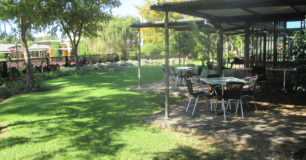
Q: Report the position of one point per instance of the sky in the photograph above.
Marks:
(128, 8)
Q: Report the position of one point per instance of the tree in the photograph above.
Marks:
(297, 48)
(153, 37)
(206, 44)
(8, 40)
(78, 17)
(27, 14)
(55, 48)
(119, 36)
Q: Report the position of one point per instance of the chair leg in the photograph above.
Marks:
(195, 106)
(188, 104)
(237, 106)
(164, 79)
(241, 108)
(229, 104)
(211, 104)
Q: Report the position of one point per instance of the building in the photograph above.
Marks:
(45, 48)
(9, 50)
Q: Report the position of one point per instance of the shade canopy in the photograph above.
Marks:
(185, 24)
(233, 15)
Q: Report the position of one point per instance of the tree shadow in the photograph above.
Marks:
(12, 141)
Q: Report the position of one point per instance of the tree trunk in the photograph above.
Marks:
(29, 73)
(76, 57)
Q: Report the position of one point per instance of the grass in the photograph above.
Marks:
(94, 117)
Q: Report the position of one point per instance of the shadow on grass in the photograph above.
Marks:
(92, 122)
(12, 141)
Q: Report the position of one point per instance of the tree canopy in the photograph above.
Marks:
(27, 14)
(153, 37)
(78, 17)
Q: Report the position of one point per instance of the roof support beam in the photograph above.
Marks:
(246, 44)
(264, 49)
(250, 11)
(295, 9)
(139, 58)
(262, 18)
(167, 65)
(275, 37)
(220, 49)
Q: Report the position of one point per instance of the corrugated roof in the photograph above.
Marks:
(235, 14)
(39, 47)
(184, 24)
(5, 48)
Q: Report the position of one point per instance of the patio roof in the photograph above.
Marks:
(184, 24)
(233, 15)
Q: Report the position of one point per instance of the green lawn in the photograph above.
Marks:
(94, 117)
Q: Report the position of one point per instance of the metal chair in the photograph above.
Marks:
(213, 89)
(194, 95)
(172, 74)
(250, 91)
(233, 93)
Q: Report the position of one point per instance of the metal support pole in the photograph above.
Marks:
(265, 49)
(220, 49)
(246, 44)
(139, 58)
(179, 47)
(285, 44)
(167, 65)
(274, 45)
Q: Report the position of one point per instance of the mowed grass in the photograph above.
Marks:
(93, 117)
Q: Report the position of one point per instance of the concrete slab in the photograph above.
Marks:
(273, 127)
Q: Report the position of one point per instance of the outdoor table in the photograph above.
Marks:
(222, 81)
(183, 68)
(284, 70)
